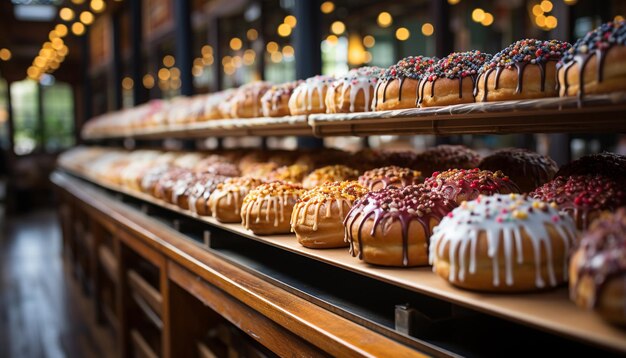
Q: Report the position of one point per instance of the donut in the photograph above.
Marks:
(195, 196)
(451, 80)
(354, 91)
(220, 168)
(267, 209)
(525, 69)
(596, 63)
(390, 177)
(274, 102)
(398, 85)
(212, 103)
(392, 227)
(246, 103)
(308, 97)
(292, 173)
(172, 184)
(583, 197)
(527, 169)
(444, 157)
(329, 173)
(226, 200)
(317, 217)
(598, 268)
(503, 243)
(467, 184)
(607, 164)
(259, 170)
(151, 177)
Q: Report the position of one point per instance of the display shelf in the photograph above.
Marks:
(550, 311)
(602, 113)
(280, 126)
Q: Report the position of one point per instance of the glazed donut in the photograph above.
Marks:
(172, 184)
(598, 268)
(151, 177)
(329, 173)
(596, 62)
(444, 157)
(461, 185)
(292, 173)
(226, 200)
(608, 164)
(390, 177)
(259, 170)
(583, 197)
(354, 91)
(195, 196)
(451, 80)
(525, 69)
(392, 227)
(267, 209)
(275, 102)
(246, 103)
(212, 105)
(503, 243)
(308, 97)
(220, 168)
(398, 85)
(317, 218)
(527, 169)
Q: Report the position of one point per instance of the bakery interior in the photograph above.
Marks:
(260, 178)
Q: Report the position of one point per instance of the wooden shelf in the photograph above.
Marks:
(142, 348)
(601, 113)
(551, 311)
(282, 126)
(109, 263)
(548, 115)
(149, 294)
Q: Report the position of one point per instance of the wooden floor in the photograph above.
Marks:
(43, 311)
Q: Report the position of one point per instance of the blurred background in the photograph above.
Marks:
(63, 62)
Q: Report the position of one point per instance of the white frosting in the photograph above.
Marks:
(307, 89)
(362, 79)
(502, 218)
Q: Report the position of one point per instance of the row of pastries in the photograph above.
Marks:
(509, 222)
(526, 69)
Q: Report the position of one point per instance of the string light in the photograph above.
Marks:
(127, 83)
(478, 15)
(384, 19)
(332, 40)
(402, 34)
(369, 41)
(338, 28)
(164, 74)
(570, 2)
(97, 5)
(271, 46)
(546, 6)
(206, 50)
(252, 34)
(148, 81)
(61, 30)
(453, 2)
(290, 20)
(284, 30)
(5, 54)
(428, 29)
(487, 20)
(235, 43)
(86, 17)
(169, 61)
(66, 14)
(78, 28)
(327, 7)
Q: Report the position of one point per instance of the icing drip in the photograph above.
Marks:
(278, 96)
(305, 91)
(272, 197)
(595, 43)
(503, 219)
(461, 184)
(202, 188)
(363, 80)
(342, 193)
(233, 190)
(604, 252)
(385, 207)
(392, 176)
(518, 55)
(580, 195)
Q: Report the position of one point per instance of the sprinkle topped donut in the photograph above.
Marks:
(374, 221)
(595, 64)
(292, 173)
(608, 164)
(513, 78)
(503, 236)
(346, 190)
(391, 176)
(444, 157)
(602, 38)
(457, 65)
(267, 208)
(462, 185)
(598, 268)
(583, 196)
(274, 102)
(526, 168)
(398, 86)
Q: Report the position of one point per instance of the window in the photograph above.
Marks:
(52, 132)
(58, 116)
